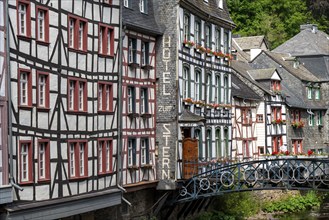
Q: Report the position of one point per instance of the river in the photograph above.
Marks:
(322, 213)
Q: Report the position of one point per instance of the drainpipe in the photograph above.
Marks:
(10, 133)
(119, 101)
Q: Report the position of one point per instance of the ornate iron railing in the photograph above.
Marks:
(285, 173)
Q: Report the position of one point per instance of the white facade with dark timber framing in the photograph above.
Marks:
(139, 95)
(5, 188)
(194, 125)
(64, 70)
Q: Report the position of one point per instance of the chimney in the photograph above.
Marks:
(311, 27)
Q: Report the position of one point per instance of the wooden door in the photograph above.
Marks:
(190, 157)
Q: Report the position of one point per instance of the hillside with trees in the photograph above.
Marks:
(278, 20)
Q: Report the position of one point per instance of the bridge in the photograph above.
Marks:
(268, 174)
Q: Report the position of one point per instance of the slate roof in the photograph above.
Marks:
(261, 74)
(141, 22)
(306, 42)
(243, 68)
(241, 90)
(209, 10)
(285, 61)
(189, 117)
(247, 43)
(241, 55)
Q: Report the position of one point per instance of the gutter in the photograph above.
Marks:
(10, 120)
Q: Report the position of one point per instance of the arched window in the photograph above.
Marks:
(198, 136)
(217, 89)
(226, 90)
(218, 143)
(197, 85)
(186, 28)
(209, 88)
(186, 83)
(226, 143)
(197, 32)
(209, 142)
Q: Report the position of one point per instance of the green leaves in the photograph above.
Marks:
(278, 20)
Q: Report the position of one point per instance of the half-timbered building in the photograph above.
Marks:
(139, 95)
(63, 77)
(306, 106)
(194, 87)
(245, 121)
(5, 188)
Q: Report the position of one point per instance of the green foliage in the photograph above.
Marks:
(215, 216)
(278, 20)
(240, 205)
(294, 204)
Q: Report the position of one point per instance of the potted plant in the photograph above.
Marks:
(188, 43)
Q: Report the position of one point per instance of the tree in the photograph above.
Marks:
(278, 20)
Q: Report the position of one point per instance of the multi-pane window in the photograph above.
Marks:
(144, 101)
(209, 143)
(143, 6)
(24, 18)
(217, 89)
(77, 95)
(310, 119)
(77, 33)
(43, 160)
(106, 40)
(197, 32)
(198, 84)
(127, 3)
(131, 99)
(246, 116)
(276, 113)
(145, 53)
(42, 24)
(226, 90)
(132, 50)
(186, 82)
(275, 85)
(318, 117)
(43, 90)
(105, 96)
(26, 161)
(105, 152)
(131, 152)
(276, 142)
(317, 93)
(259, 118)
(297, 146)
(309, 92)
(145, 151)
(209, 88)
(186, 27)
(218, 143)
(78, 159)
(218, 39)
(208, 35)
(25, 88)
(226, 42)
(295, 115)
(226, 143)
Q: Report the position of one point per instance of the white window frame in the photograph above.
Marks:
(22, 19)
(42, 82)
(309, 92)
(42, 160)
(72, 159)
(24, 84)
(197, 85)
(41, 24)
(25, 165)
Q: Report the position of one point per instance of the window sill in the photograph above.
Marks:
(146, 115)
(104, 112)
(26, 183)
(23, 37)
(44, 43)
(43, 109)
(134, 167)
(77, 112)
(41, 181)
(78, 178)
(147, 166)
(133, 65)
(110, 56)
(77, 50)
(133, 115)
(105, 173)
(25, 107)
(147, 67)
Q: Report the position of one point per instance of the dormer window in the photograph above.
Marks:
(317, 94)
(143, 6)
(276, 86)
(309, 92)
(220, 4)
